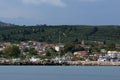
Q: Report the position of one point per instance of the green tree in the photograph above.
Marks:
(51, 52)
(32, 51)
(69, 47)
(12, 51)
(1, 53)
(79, 48)
(111, 46)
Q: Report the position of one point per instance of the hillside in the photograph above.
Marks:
(76, 33)
(6, 24)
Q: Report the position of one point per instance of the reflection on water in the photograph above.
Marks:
(59, 73)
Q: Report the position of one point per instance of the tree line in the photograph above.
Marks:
(50, 34)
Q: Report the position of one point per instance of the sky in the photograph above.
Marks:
(60, 12)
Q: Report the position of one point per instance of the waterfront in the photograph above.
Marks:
(67, 63)
(59, 73)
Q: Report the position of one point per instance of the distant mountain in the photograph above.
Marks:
(6, 24)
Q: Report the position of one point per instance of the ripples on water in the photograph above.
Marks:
(59, 73)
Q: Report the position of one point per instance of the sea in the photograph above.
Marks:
(59, 73)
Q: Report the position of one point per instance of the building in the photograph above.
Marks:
(114, 56)
(80, 53)
(103, 58)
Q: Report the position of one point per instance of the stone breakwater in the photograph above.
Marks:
(68, 63)
(93, 63)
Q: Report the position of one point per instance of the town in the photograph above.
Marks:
(69, 53)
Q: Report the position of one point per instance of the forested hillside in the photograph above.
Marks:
(51, 34)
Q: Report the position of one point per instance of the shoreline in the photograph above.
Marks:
(70, 63)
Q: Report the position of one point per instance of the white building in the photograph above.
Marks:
(113, 54)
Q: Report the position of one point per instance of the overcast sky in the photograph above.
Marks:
(75, 12)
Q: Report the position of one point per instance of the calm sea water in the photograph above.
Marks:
(59, 73)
